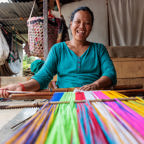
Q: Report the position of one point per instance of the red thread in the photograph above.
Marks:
(22, 86)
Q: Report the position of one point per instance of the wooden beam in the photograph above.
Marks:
(14, 19)
(65, 102)
(45, 28)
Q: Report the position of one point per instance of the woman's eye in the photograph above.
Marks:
(77, 22)
(84, 23)
(87, 23)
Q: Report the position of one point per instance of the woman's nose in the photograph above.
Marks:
(82, 25)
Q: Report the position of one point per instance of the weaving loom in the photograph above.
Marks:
(85, 117)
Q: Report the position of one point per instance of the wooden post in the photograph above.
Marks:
(109, 42)
(45, 28)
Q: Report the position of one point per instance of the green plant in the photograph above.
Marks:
(27, 61)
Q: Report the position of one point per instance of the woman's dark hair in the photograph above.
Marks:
(83, 9)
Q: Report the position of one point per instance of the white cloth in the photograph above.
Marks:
(4, 48)
(126, 19)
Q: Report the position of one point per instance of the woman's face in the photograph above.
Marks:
(81, 25)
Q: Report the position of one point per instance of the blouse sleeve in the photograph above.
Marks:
(48, 70)
(107, 66)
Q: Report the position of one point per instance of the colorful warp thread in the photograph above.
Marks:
(95, 122)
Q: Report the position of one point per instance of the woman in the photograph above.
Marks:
(77, 63)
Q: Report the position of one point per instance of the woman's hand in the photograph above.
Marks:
(102, 83)
(4, 91)
(89, 87)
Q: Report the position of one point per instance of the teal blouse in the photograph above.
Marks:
(75, 71)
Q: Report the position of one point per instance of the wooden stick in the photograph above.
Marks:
(20, 92)
(59, 90)
(14, 19)
(32, 95)
(20, 95)
(48, 95)
(44, 94)
(126, 87)
(20, 122)
(64, 102)
(21, 106)
(133, 92)
(95, 100)
(46, 90)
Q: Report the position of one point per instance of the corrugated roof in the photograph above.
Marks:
(10, 14)
(21, 0)
(17, 9)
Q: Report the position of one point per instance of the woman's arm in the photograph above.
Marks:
(30, 85)
(108, 73)
(40, 80)
(49, 69)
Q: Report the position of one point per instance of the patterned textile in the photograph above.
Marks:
(57, 32)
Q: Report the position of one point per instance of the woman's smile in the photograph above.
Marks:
(80, 33)
(81, 25)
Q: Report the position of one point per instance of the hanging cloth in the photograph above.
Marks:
(4, 48)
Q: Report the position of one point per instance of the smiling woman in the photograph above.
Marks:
(81, 25)
(77, 63)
